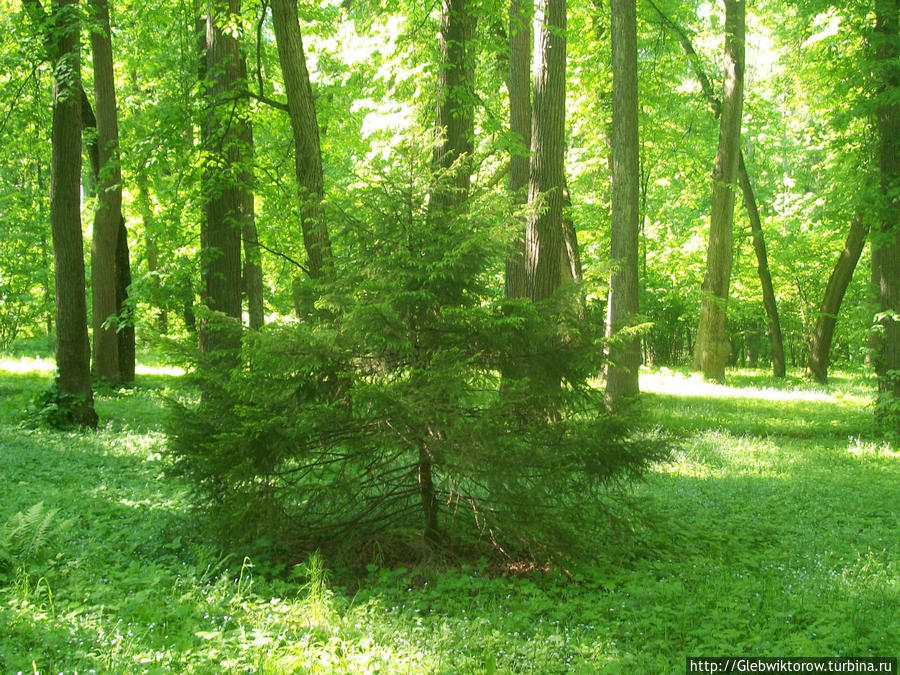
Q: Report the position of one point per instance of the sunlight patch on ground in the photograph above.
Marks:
(27, 364)
(862, 448)
(674, 383)
(142, 369)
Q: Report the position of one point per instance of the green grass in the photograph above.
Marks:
(772, 531)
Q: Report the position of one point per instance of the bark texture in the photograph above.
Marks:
(253, 274)
(108, 216)
(545, 245)
(624, 353)
(305, 128)
(887, 249)
(519, 86)
(72, 345)
(125, 335)
(750, 203)
(222, 226)
(455, 113)
(841, 275)
(776, 343)
(712, 348)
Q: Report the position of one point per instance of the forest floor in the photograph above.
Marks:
(773, 530)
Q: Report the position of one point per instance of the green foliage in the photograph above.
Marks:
(408, 361)
(771, 532)
(24, 537)
(52, 408)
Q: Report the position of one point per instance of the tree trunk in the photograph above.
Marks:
(108, 216)
(253, 275)
(841, 275)
(305, 127)
(624, 354)
(519, 86)
(455, 115)
(712, 348)
(73, 350)
(221, 231)
(545, 245)
(451, 174)
(759, 244)
(571, 261)
(126, 334)
(873, 339)
(888, 248)
(776, 343)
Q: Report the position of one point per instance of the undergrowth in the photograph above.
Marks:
(773, 531)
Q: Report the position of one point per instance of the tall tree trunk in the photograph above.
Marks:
(776, 342)
(888, 249)
(571, 262)
(451, 169)
(624, 353)
(73, 351)
(712, 348)
(841, 275)
(221, 231)
(873, 339)
(108, 215)
(455, 114)
(519, 86)
(759, 243)
(545, 246)
(305, 128)
(126, 332)
(253, 274)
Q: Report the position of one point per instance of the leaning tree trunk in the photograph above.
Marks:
(776, 342)
(759, 243)
(545, 245)
(571, 260)
(624, 353)
(888, 249)
(307, 147)
(73, 349)
(108, 216)
(712, 349)
(519, 86)
(841, 275)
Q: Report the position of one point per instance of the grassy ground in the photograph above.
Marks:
(772, 531)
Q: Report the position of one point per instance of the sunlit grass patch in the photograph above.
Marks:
(168, 370)
(687, 404)
(872, 449)
(27, 364)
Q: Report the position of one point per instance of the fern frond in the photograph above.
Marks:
(24, 535)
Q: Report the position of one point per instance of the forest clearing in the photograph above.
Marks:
(771, 530)
(460, 336)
